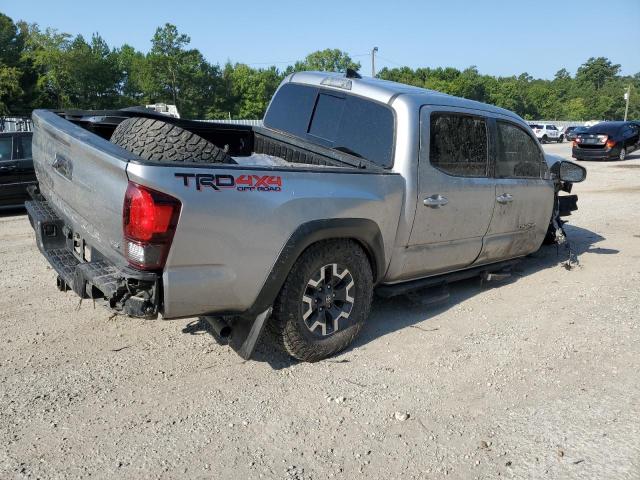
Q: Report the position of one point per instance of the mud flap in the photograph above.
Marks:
(246, 331)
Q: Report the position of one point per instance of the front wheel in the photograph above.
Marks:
(545, 139)
(560, 139)
(324, 301)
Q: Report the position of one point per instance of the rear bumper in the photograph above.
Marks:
(595, 153)
(124, 289)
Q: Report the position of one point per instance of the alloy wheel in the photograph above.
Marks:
(328, 300)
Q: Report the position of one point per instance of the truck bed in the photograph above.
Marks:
(229, 241)
(238, 140)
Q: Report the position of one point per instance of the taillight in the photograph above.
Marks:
(149, 220)
(611, 143)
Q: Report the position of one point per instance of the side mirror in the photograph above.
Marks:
(570, 172)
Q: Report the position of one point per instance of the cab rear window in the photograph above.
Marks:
(335, 120)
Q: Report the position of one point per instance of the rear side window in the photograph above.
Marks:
(551, 127)
(458, 144)
(336, 120)
(5, 148)
(518, 154)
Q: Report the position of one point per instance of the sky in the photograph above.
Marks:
(499, 37)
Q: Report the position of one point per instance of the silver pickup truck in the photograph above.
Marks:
(351, 185)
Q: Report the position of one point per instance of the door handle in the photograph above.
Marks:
(505, 198)
(435, 201)
(8, 168)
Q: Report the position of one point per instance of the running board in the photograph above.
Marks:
(486, 272)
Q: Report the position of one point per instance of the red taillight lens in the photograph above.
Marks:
(611, 143)
(149, 222)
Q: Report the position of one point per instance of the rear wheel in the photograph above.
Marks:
(159, 141)
(623, 154)
(325, 300)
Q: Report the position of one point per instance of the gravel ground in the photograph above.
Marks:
(535, 377)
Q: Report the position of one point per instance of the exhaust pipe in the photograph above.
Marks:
(62, 285)
(222, 328)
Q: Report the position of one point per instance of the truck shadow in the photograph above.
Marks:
(581, 241)
(415, 311)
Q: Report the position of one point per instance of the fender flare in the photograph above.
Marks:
(366, 232)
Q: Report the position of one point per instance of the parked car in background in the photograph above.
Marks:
(546, 132)
(16, 168)
(571, 133)
(607, 141)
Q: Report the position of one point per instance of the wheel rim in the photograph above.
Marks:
(623, 154)
(327, 301)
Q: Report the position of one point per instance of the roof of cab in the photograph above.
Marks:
(386, 91)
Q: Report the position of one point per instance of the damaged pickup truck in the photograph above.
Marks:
(351, 186)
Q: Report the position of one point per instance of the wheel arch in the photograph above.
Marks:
(364, 232)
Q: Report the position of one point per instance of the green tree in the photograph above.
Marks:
(250, 91)
(167, 58)
(596, 71)
(328, 60)
(177, 75)
(9, 87)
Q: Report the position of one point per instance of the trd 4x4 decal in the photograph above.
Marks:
(242, 183)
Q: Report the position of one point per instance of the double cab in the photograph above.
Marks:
(351, 185)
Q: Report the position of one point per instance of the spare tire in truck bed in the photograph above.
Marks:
(159, 141)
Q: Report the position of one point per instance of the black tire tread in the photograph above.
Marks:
(284, 325)
(159, 141)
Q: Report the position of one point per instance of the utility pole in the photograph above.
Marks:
(373, 61)
(627, 95)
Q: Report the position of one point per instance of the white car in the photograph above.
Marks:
(546, 132)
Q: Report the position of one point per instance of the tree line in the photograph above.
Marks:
(45, 68)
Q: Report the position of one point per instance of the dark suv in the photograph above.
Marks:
(16, 168)
(607, 141)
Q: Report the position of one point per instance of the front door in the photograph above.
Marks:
(524, 195)
(456, 192)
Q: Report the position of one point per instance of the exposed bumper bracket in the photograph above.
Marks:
(125, 290)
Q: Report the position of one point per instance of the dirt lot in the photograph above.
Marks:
(536, 377)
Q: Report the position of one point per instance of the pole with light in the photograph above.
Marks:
(627, 95)
(373, 61)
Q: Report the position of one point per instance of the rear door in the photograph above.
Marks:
(9, 178)
(524, 194)
(456, 192)
(631, 135)
(24, 158)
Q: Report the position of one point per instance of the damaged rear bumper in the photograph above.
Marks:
(124, 289)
